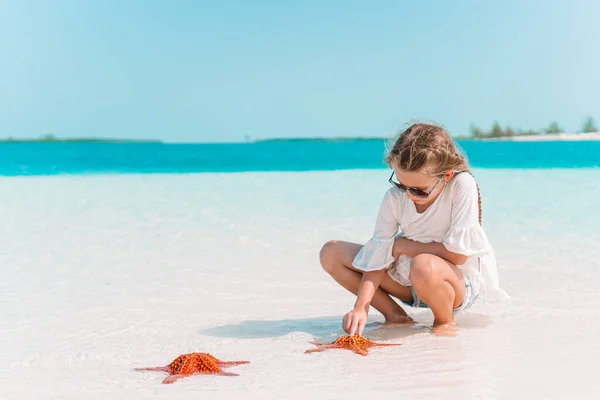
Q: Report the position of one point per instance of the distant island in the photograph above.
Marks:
(553, 131)
(54, 139)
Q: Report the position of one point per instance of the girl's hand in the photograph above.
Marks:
(354, 322)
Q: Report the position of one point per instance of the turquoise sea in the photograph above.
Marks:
(92, 158)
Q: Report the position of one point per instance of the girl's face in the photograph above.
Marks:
(422, 183)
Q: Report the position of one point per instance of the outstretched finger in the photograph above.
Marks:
(353, 326)
(346, 323)
(361, 327)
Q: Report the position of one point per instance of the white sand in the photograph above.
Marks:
(569, 137)
(102, 274)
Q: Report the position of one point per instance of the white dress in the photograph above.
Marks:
(453, 220)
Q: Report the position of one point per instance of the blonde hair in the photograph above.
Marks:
(428, 148)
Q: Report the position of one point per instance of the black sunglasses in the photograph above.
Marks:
(415, 192)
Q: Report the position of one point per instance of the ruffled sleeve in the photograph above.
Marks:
(465, 236)
(376, 254)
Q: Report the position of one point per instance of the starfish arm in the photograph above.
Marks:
(227, 374)
(385, 344)
(164, 369)
(173, 378)
(313, 351)
(322, 347)
(359, 350)
(214, 359)
(231, 363)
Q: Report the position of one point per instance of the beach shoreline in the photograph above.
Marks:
(555, 137)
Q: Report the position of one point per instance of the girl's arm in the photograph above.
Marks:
(373, 259)
(413, 249)
(354, 322)
(368, 286)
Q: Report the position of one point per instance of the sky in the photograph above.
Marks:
(221, 71)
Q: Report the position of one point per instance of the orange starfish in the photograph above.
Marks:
(357, 344)
(194, 363)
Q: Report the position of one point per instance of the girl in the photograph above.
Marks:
(442, 259)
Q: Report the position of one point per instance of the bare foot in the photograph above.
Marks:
(399, 320)
(448, 329)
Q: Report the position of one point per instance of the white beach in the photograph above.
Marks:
(103, 274)
(552, 137)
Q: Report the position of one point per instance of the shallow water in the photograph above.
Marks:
(102, 274)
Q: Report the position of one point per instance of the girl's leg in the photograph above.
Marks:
(336, 259)
(440, 285)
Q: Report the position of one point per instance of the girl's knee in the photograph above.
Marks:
(327, 255)
(423, 270)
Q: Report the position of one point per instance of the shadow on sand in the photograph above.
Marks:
(321, 328)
